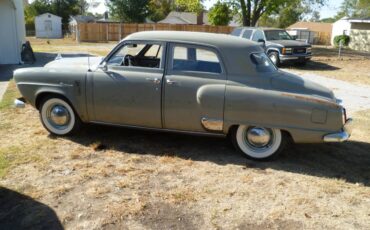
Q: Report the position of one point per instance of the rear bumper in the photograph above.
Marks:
(340, 136)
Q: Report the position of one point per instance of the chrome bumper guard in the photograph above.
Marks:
(19, 103)
(341, 136)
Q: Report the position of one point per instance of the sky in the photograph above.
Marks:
(328, 10)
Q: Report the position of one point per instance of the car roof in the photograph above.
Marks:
(217, 40)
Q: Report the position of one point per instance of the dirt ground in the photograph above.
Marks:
(115, 178)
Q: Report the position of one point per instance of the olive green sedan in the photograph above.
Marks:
(197, 83)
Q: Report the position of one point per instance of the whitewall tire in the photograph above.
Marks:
(258, 143)
(58, 116)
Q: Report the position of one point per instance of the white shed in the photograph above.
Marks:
(48, 26)
(340, 27)
(12, 34)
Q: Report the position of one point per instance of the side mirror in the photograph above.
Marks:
(103, 66)
(262, 43)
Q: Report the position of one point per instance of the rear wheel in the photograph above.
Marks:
(258, 143)
(274, 57)
(58, 116)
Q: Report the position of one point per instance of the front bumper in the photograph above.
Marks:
(340, 136)
(295, 57)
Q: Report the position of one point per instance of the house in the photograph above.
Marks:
(188, 18)
(191, 18)
(357, 28)
(312, 32)
(48, 26)
(13, 31)
(74, 20)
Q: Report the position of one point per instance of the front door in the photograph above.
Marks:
(128, 92)
(194, 89)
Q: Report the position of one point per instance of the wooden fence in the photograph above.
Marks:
(104, 32)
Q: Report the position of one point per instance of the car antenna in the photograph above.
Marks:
(88, 62)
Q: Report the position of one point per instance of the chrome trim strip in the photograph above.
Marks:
(212, 124)
(161, 130)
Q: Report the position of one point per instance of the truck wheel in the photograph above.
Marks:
(274, 57)
(58, 116)
(258, 143)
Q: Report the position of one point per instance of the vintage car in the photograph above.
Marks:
(197, 83)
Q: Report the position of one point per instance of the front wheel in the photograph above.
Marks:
(58, 117)
(258, 143)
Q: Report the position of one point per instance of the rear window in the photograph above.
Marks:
(262, 63)
(247, 34)
(236, 32)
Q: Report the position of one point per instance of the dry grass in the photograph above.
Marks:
(68, 45)
(352, 66)
(106, 178)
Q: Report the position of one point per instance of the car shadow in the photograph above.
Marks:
(348, 161)
(310, 65)
(18, 211)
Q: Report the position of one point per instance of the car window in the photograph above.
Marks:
(153, 51)
(258, 34)
(277, 35)
(262, 62)
(195, 59)
(137, 55)
(247, 34)
(236, 32)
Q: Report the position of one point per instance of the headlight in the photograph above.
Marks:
(308, 50)
(287, 51)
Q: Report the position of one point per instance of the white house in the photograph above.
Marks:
(12, 34)
(340, 27)
(48, 26)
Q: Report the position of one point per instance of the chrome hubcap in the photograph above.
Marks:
(258, 137)
(59, 115)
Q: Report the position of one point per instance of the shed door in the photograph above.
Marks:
(9, 53)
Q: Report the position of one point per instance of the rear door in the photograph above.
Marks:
(194, 89)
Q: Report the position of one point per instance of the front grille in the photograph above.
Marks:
(299, 50)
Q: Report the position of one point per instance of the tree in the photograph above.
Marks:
(315, 17)
(220, 14)
(129, 10)
(253, 10)
(189, 5)
(159, 9)
(354, 8)
(82, 6)
(62, 8)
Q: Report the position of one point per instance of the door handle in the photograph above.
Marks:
(170, 82)
(154, 80)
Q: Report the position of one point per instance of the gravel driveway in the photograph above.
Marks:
(355, 97)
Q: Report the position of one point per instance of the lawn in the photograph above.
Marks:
(115, 178)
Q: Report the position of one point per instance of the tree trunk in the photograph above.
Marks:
(245, 12)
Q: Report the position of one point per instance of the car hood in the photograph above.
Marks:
(291, 83)
(288, 43)
(75, 62)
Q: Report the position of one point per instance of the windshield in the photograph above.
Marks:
(262, 63)
(277, 35)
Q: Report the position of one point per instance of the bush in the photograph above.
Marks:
(343, 38)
